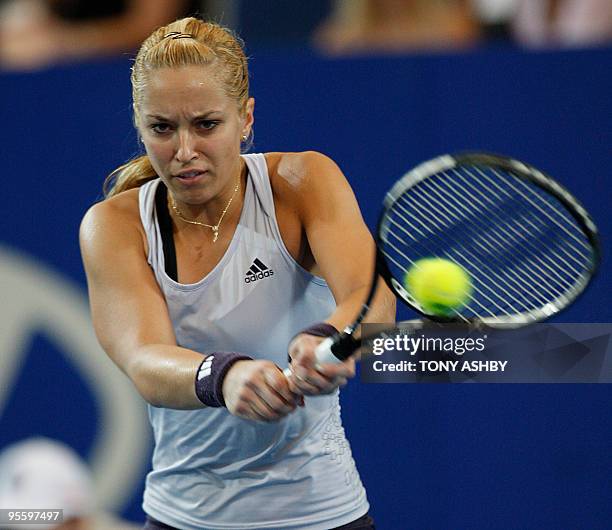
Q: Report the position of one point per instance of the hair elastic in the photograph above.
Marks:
(178, 35)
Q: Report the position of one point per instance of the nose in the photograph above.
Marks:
(186, 147)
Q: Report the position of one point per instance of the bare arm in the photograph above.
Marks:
(342, 246)
(340, 242)
(133, 325)
(129, 311)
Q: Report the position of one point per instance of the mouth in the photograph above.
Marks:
(189, 175)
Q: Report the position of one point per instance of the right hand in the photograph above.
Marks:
(311, 378)
(258, 390)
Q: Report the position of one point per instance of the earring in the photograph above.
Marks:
(245, 137)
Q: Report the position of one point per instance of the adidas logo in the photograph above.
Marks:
(257, 271)
(206, 368)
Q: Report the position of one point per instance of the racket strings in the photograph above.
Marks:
(491, 248)
(582, 257)
(489, 245)
(544, 258)
(433, 252)
(489, 306)
(495, 250)
(546, 207)
(539, 202)
(522, 248)
(479, 287)
(543, 203)
(479, 234)
(402, 266)
(517, 240)
(520, 235)
(487, 198)
(562, 249)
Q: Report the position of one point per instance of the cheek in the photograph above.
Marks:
(225, 146)
(158, 153)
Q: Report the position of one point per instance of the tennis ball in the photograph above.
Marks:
(438, 285)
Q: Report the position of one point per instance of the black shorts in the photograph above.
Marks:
(363, 523)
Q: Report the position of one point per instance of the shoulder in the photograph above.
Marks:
(298, 178)
(302, 168)
(112, 220)
(118, 209)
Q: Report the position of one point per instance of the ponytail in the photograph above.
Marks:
(133, 174)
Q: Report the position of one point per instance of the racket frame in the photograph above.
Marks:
(342, 345)
(522, 170)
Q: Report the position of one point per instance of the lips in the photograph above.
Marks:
(188, 175)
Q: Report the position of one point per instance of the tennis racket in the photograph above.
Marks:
(529, 246)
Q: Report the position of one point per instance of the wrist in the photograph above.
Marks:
(318, 329)
(211, 374)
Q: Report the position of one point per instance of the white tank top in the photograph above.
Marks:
(212, 470)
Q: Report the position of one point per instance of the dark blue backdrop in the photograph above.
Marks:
(431, 456)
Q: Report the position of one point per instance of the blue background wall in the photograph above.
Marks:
(431, 456)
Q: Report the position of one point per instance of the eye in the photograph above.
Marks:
(160, 128)
(208, 125)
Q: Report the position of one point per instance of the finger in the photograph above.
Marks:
(303, 386)
(298, 395)
(275, 391)
(260, 412)
(333, 376)
(337, 382)
(331, 371)
(292, 386)
(279, 384)
(270, 401)
(249, 407)
(267, 406)
(334, 384)
(313, 378)
(304, 355)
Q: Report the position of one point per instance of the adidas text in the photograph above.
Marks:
(258, 271)
(259, 276)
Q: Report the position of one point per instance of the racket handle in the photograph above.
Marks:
(335, 349)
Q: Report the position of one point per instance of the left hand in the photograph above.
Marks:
(310, 378)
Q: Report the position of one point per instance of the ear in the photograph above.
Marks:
(249, 116)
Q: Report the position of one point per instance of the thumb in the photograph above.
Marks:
(305, 356)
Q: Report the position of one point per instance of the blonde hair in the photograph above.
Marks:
(185, 42)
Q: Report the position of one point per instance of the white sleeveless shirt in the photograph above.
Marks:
(213, 470)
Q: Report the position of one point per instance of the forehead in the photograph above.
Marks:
(171, 90)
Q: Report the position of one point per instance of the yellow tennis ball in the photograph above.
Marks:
(438, 285)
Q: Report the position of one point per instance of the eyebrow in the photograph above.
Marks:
(205, 115)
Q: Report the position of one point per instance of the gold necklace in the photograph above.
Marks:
(214, 228)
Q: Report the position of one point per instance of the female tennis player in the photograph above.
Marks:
(205, 268)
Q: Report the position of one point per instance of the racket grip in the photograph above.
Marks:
(335, 349)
